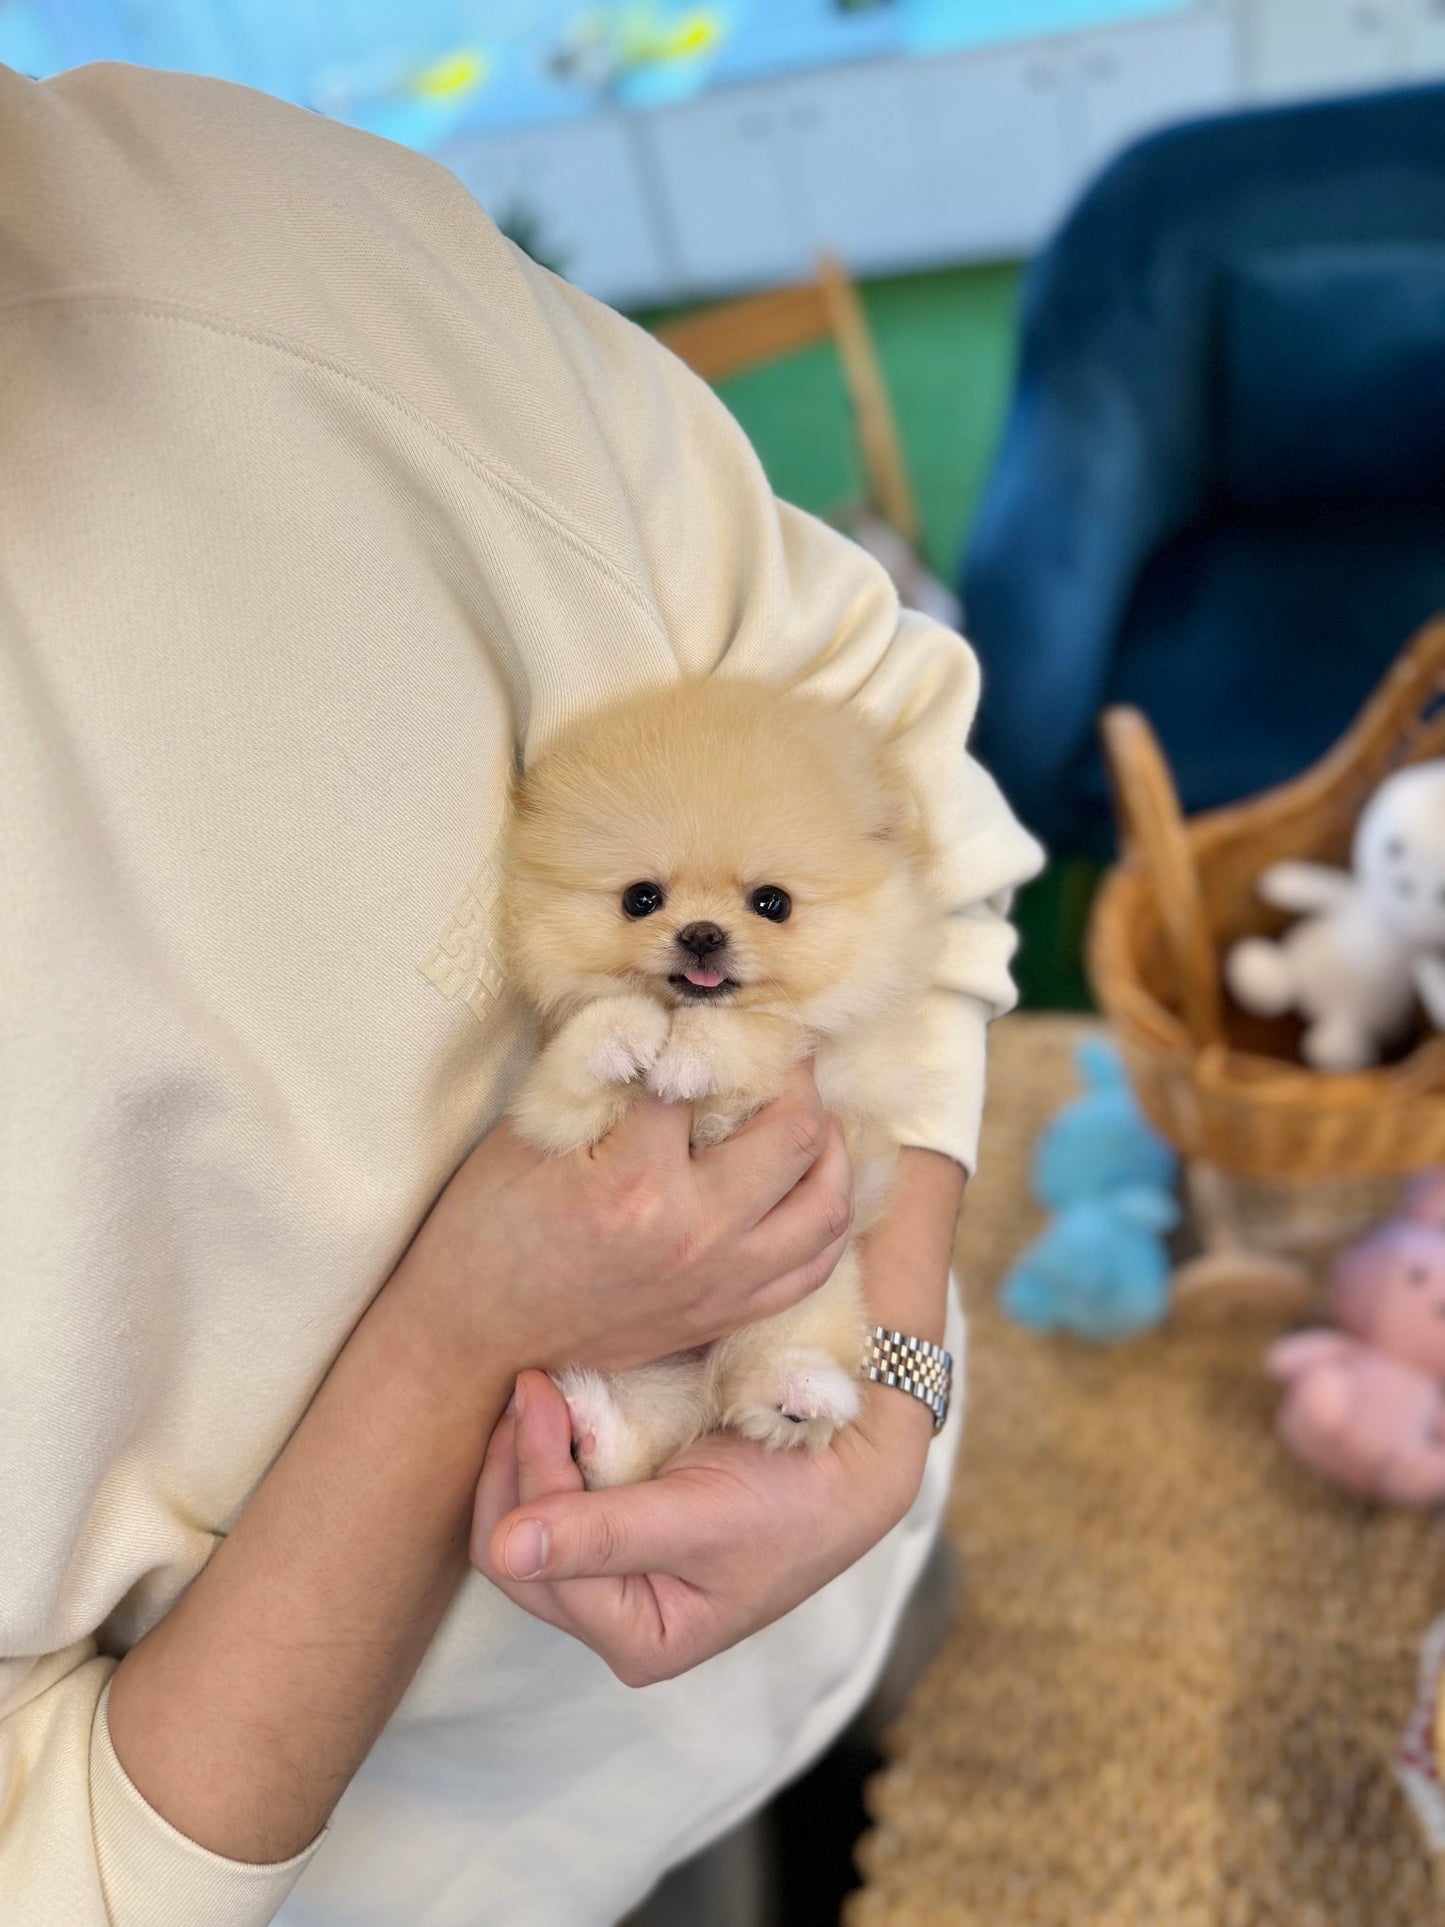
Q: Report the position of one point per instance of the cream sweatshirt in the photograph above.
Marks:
(320, 504)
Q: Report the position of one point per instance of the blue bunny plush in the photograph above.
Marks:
(1102, 1141)
(1101, 1269)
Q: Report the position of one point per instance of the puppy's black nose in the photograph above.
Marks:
(702, 939)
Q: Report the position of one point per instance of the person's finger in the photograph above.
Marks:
(497, 1492)
(814, 1216)
(666, 1525)
(650, 1133)
(544, 1440)
(541, 1453)
(766, 1157)
(497, 1497)
(781, 1294)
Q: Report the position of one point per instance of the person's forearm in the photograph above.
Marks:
(906, 1257)
(906, 1260)
(243, 1714)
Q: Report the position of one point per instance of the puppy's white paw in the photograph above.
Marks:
(683, 1073)
(622, 1037)
(608, 1447)
(799, 1400)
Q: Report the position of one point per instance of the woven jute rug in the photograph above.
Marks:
(1181, 1663)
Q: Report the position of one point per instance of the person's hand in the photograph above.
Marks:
(658, 1577)
(638, 1247)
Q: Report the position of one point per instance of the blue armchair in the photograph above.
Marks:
(1220, 492)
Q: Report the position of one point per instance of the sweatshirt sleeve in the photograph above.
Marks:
(841, 635)
(746, 585)
(83, 1848)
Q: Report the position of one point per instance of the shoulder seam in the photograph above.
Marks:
(496, 474)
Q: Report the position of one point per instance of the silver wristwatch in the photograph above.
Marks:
(910, 1365)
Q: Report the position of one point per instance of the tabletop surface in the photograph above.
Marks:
(1181, 1665)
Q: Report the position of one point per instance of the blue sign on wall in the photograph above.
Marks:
(420, 71)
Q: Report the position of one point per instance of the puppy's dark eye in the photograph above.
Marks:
(1395, 846)
(642, 899)
(771, 902)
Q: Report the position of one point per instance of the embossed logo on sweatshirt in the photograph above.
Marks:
(463, 962)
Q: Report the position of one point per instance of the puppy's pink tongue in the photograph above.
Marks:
(704, 976)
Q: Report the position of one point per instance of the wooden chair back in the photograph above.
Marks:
(737, 335)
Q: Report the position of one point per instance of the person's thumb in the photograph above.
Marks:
(626, 1530)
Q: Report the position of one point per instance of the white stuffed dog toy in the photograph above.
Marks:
(1371, 942)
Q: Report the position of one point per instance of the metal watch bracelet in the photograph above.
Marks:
(911, 1365)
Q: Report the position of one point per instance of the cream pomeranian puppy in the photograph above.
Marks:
(705, 884)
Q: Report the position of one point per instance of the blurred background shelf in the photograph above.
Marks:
(673, 151)
(912, 161)
(893, 164)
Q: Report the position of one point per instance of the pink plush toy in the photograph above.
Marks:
(1365, 1405)
(1425, 1199)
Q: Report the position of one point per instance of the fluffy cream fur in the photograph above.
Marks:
(712, 791)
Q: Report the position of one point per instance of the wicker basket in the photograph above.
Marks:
(1222, 1086)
